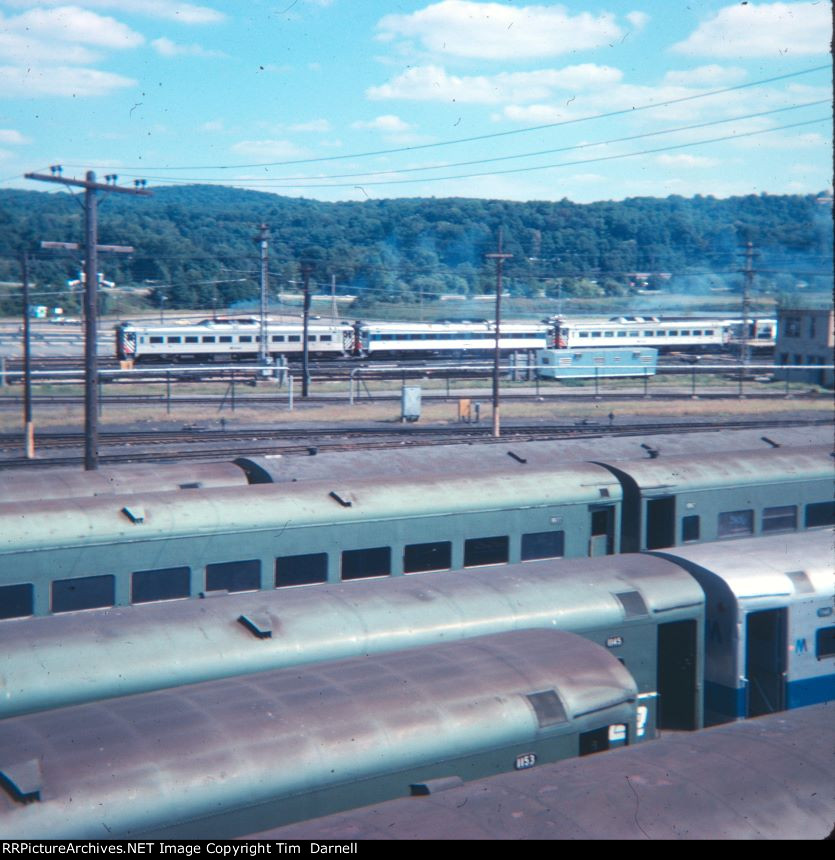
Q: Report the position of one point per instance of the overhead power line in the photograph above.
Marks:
(491, 136)
(573, 147)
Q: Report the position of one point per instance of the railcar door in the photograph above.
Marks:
(661, 522)
(601, 530)
(677, 687)
(765, 661)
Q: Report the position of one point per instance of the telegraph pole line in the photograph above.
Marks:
(499, 257)
(307, 268)
(263, 239)
(91, 368)
(747, 287)
(28, 425)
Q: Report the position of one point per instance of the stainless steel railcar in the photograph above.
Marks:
(227, 757)
(703, 335)
(227, 339)
(769, 778)
(770, 622)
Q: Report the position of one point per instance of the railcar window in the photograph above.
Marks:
(86, 592)
(419, 557)
(208, 338)
(543, 545)
(192, 339)
(820, 514)
(325, 338)
(690, 528)
(622, 333)
(780, 519)
(156, 339)
(234, 576)
(175, 339)
(487, 550)
(825, 642)
(245, 338)
(16, 601)
(608, 334)
(295, 338)
(226, 338)
(708, 331)
(697, 332)
(301, 569)
(735, 523)
(584, 334)
(362, 563)
(278, 338)
(167, 583)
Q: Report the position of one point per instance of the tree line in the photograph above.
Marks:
(196, 245)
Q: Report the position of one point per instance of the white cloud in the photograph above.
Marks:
(272, 149)
(497, 31)
(19, 48)
(387, 123)
(59, 81)
(185, 13)
(638, 20)
(213, 125)
(166, 48)
(433, 83)
(72, 24)
(10, 135)
(706, 76)
(318, 125)
(686, 161)
(762, 30)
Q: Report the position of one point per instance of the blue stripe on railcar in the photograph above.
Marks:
(810, 691)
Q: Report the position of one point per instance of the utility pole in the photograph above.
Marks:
(499, 257)
(747, 286)
(263, 239)
(334, 312)
(91, 366)
(28, 425)
(307, 268)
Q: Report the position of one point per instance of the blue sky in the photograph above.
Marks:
(449, 98)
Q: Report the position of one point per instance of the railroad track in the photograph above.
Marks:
(215, 444)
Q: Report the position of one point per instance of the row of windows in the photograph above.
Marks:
(696, 332)
(243, 338)
(94, 592)
(459, 336)
(778, 519)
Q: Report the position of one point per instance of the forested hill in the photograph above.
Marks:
(196, 243)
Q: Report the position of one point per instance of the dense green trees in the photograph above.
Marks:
(195, 245)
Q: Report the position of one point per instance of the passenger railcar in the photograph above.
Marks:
(646, 611)
(770, 624)
(769, 778)
(227, 339)
(69, 554)
(679, 500)
(702, 335)
(224, 758)
(416, 339)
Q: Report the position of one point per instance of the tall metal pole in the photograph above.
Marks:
(91, 278)
(28, 425)
(306, 270)
(91, 359)
(499, 257)
(263, 238)
(746, 299)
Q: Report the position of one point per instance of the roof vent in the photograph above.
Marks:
(433, 786)
(548, 708)
(632, 603)
(134, 513)
(259, 624)
(343, 500)
(23, 781)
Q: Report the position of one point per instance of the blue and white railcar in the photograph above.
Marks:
(770, 627)
(601, 362)
(418, 339)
